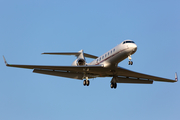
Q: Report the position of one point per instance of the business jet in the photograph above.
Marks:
(105, 65)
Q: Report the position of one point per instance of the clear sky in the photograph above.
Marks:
(28, 28)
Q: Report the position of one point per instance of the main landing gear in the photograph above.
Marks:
(86, 82)
(130, 62)
(113, 85)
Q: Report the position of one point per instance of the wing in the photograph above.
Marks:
(94, 71)
(76, 72)
(67, 74)
(81, 69)
(62, 68)
(135, 75)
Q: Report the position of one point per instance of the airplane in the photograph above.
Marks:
(105, 65)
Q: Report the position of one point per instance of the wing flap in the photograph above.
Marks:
(66, 74)
(129, 80)
(59, 73)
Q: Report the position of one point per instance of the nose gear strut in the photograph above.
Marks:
(130, 62)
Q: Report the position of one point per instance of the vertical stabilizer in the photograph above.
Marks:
(81, 54)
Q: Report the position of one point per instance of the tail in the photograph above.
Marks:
(80, 56)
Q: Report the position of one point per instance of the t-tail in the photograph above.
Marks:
(80, 61)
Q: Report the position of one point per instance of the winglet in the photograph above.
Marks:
(176, 77)
(5, 61)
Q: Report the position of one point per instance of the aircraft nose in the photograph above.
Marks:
(134, 47)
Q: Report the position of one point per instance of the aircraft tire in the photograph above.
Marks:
(87, 82)
(115, 85)
(84, 82)
(111, 85)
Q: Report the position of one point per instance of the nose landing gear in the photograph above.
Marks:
(130, 62)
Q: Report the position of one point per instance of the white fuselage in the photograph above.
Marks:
(116, 54)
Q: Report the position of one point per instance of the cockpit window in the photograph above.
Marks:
(128, 42)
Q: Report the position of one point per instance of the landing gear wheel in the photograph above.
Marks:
(86, 82)
(113, 85)
(130, 63)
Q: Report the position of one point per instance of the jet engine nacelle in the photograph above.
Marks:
(79, 62)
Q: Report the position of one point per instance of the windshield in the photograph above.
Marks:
(128, 42)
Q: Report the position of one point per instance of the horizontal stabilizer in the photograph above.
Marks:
(72, 53)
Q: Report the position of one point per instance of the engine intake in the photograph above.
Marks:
(81, 62)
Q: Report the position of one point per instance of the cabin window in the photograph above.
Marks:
(105, 55)
(102, 57)
(111, 51)
(114, 50)
(108, 53)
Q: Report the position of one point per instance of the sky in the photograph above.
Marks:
(29, 28)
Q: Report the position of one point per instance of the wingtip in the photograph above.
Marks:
(44, 53)
(176, 77)
(5, 60)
